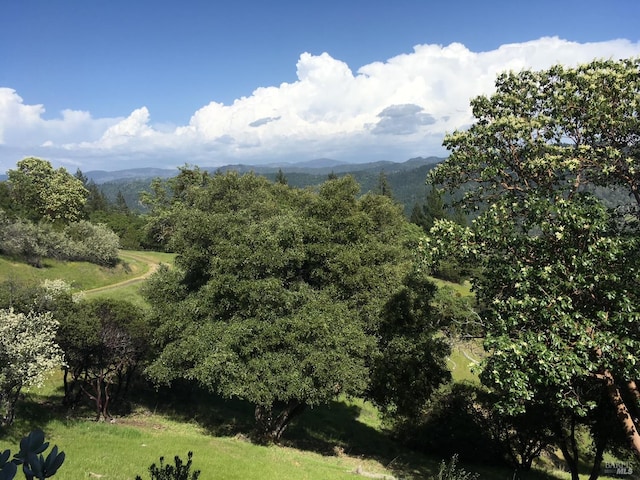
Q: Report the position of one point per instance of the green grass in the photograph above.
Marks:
(464, 359)
(85, 277)
(318, 446)
(81, 275)
(328, 442)
(462, 289)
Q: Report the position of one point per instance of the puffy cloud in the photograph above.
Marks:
(22, 124)
(392, 109)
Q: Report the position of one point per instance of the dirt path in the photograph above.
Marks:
(138, 256)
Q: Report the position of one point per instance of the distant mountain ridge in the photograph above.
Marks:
(321, 166)
(407, 179)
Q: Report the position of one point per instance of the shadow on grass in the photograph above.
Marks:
(32, 412)
(335, 429)
(330, 430)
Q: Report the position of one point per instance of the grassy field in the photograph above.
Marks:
(122, 281)
(329, 442)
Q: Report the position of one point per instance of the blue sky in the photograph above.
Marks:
(116, 84)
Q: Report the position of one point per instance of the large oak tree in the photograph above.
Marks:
(277, 294)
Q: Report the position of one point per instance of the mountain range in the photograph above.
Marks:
(406, 179)
(321, 166)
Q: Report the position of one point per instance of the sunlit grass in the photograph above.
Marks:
(127, 447)
(462, 289)
(464, 361)
(81, 275)
(85, 277)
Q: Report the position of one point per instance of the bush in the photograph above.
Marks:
(169, 472)
(93, 243)
(80, 241)
(22, 239)
(27, 353)
(453, 425)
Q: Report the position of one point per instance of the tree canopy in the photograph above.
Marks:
(278, 291)
(28, 353)
(559, 278)
(42, 192)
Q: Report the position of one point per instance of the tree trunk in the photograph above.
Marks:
(269, 428)
(569, 447)
(8, 402)
(622, 412)
(597, 461)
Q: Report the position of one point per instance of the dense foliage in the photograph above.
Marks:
(27, 353)
(560, 270)
(278, 292)
(104, 341)
(76, 241)
(39, 192)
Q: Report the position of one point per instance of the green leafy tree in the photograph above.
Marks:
(432, 209)
(383, 187)
(96, 200)
(6, 203)
(281, 178)
(27, 353)
(559, 270)
(42, 192)
(121, 203)
(412, 354)
(277, 292)
(164, 195)
(104, 342)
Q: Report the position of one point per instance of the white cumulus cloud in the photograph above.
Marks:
(393, 109)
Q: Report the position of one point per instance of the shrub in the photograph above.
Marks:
(22, 239)
(93, 243)
(27, 353)
(81, 241)
(169, 472)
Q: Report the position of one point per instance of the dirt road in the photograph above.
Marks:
(151, 262)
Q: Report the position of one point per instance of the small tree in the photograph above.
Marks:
(27, 353)
(41, 192)
(104, 341)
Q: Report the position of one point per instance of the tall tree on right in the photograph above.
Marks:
(560, 270)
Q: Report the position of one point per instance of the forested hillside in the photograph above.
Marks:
(407, 179)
